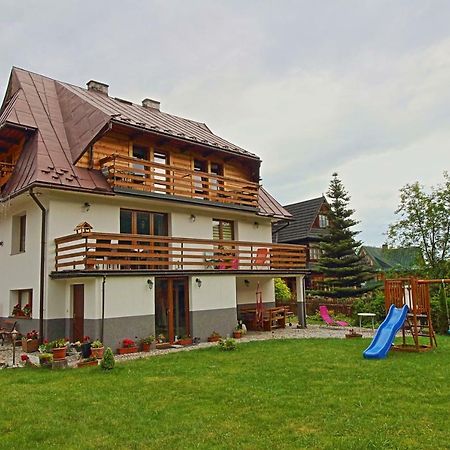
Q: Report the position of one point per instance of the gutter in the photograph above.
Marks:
(275, 232)
(42, 264)
(102, 332)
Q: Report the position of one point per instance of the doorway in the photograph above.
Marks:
(171, 308)
(77, 312)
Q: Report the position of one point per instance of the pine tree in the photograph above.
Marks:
(108, 362)
(344, 271)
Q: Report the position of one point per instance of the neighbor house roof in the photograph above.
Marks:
(393, 258)
(303, 214)
(63, 120)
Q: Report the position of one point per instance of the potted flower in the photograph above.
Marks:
(147, 343)
(27, 310)
(214, 337)
(128, 346)
(45, 360)
(97, 349)
(59, 348)
(17, 311)
(184, 340)
(352, 334)
(162, 342)
(30, 343)
(91, 361)
(239, 330)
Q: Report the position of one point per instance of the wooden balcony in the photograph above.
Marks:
(140, 175)
(6, 170)
(92, 251)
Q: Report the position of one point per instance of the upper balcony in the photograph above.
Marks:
(92, 251)
(134, 174)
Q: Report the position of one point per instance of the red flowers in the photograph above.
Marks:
(24, 357)
(86, 339)
(33, 334)
(127, 343)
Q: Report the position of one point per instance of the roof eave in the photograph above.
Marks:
(189, 141)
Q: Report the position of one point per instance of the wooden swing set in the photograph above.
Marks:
(416, 294)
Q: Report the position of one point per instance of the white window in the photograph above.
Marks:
(19, 231)
(323, 221)
(314, 253)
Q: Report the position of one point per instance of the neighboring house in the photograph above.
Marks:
(119, 220)
(309, 224)
(384, 259)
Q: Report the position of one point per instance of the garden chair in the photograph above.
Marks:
(261, 257)
(6, 328)
(328, 319)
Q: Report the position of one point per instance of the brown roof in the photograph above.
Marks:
(64, 120)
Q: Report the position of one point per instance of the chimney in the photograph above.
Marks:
(96, 86)
(149, 103)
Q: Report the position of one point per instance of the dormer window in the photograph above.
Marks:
(323, 221)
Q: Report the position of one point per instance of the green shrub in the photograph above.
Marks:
(372, 303)
(108, 362)
(282, 291)
(227, 344)
(439, 312)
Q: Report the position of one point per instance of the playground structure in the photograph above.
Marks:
(415, 294)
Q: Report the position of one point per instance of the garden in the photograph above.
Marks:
(315, 393)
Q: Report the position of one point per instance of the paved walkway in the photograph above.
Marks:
(313, 331)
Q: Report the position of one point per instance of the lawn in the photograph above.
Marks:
(272, 394)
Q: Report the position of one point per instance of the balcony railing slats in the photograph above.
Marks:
(142, 175)
(112, 251)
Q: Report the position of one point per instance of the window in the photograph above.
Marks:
(140, 153)
(19, 231)
(323, 221)
(314, 253)
(216, 169)
(22, 302)
(223, 229)
(160, 172)
(143, 222)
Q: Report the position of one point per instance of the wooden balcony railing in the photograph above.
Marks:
(6, 170)
(141, 175)
(111, 251)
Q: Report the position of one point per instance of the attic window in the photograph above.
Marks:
(323, 221)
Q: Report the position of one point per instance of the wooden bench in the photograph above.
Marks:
(6, 328)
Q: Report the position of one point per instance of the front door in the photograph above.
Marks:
(171, 308)
(78, 312)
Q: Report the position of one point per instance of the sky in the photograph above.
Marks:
(357, 87)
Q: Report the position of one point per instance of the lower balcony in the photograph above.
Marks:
(93, 251)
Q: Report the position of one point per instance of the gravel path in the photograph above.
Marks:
(313, 331)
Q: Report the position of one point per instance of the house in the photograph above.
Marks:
(384, 259)
(309, 225)
(120, 220)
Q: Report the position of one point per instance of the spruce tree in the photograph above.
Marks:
(344, 271)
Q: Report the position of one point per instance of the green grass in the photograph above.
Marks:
(265, 395)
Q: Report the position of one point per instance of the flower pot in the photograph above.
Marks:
(214, 339)
(237, 334)
(59, 353)
(30, 345)
(86, 349)
(163, 345)
(45, 360)
(146, 347)
(185, 341)
(97, 352)
(126, 350)
(87, 363)
(353, 335)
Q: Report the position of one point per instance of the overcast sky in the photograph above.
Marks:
(358, 87)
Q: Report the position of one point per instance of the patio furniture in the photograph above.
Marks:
(233, 264)
(372, 315)
(272, 318)
(261, 258)
(328, 319)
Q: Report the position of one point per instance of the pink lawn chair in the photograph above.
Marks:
(328, 319)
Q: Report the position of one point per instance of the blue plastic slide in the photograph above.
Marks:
(385, 335)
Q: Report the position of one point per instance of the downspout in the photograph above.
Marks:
(102, 332)
(42, 266)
